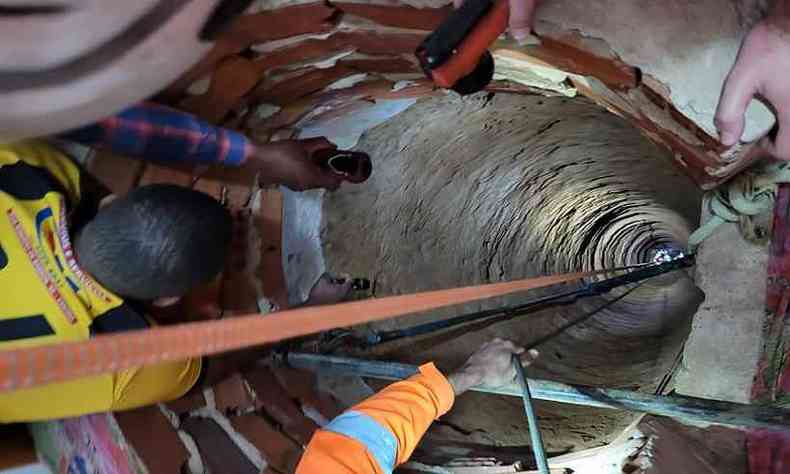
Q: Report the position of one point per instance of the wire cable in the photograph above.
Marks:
(637, 274)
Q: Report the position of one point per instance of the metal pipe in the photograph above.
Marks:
(532, 419)
(675, 406)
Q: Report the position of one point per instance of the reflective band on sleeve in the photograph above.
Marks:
(379, 441)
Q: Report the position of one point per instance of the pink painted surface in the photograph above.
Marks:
(769, 451)
(91, 437)
(85, 445)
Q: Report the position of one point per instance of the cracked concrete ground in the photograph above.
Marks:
(721, 354)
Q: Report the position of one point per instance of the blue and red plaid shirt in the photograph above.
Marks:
(158, 133)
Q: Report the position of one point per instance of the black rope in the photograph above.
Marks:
(509, 311)
(580, 319)
(642, 272)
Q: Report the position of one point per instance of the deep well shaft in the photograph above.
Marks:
(493, 188)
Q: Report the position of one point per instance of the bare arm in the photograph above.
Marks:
(158, 133)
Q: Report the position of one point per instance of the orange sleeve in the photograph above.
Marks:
(381, 432)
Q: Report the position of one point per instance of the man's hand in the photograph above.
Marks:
(522, 16)
(491, 365)
(762, 68)
(289, 163)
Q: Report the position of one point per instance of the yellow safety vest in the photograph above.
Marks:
(47, 298)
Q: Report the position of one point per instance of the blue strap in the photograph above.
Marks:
(379, 441)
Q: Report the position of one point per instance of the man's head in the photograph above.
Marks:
(68, 63)
(157, 242)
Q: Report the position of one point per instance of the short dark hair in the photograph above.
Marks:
(158, 241)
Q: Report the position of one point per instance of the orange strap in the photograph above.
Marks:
(29, 367)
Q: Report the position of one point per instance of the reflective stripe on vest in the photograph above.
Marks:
(378, 440)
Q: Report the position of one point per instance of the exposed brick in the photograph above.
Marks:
(279, 451)
(221, 50)
(239, 294)
(657, 98)
(302, 52)
(369, 42)
(275, 402)
(218, 451)
(703, 166)
(233, 78)
(390, 65)
(269, 222)
(154, 439)
(695, 159)
(362, 41)
(302, 386)
(243, 35)
(285, 117)
(363, 95)
(231, 395)
(400, 16)
(288, 90)
(256, 28)
(382, 89)
(188, 403)
(372, 90)
(281, 23)
(236, 184)
(118, 173)
(572, 58)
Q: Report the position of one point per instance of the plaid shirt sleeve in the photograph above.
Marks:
(157, 133)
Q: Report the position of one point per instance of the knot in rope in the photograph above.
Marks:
(748, 194)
